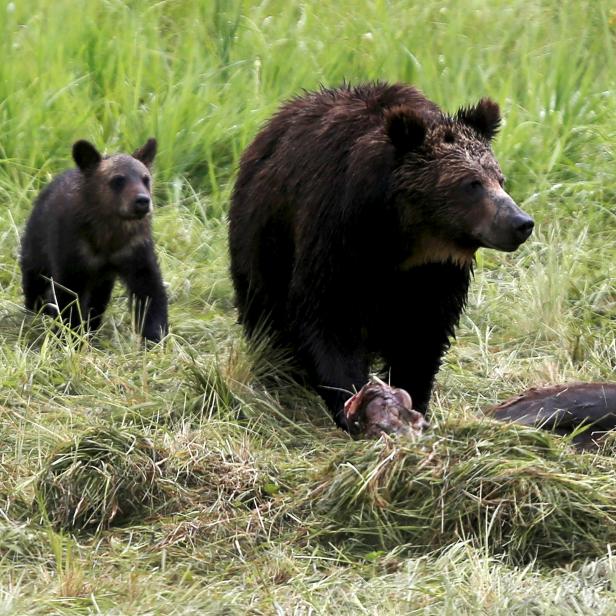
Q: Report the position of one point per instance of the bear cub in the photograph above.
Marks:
(89, 226)
(354, 224)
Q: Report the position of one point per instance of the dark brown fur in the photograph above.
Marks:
(565, 409)
(354, 222)
(89, 226)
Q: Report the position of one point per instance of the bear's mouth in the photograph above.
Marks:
(134, 216)
(501, 246)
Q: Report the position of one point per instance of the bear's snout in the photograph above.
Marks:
(142, 205)
(507, 225)
(523, 226)
(512, 225)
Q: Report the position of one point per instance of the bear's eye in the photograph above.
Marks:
(474, 185)
(146, 181)
(117, 182)
(501, 181)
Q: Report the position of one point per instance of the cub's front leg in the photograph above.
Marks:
(144, 282)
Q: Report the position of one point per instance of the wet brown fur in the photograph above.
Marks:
(585, 410)
(353, 230)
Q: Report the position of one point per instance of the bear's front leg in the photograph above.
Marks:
(414, 329)
(143, 280)
(336, 370)
(412, 360)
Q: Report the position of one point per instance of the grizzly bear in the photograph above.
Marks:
(89, 226)
(354, 223)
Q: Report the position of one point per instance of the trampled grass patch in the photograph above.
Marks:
(513, 491)
(100, 477)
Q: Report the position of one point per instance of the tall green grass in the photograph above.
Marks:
(241, 497)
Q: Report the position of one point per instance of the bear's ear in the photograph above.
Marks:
(484, 117)
(85, 155)
(405, 128)
(147, 152)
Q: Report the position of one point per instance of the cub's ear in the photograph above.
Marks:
(405, 128)
(484, 117)
(147, 152)
(85, 155)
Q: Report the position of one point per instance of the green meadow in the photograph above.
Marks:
(196, 477)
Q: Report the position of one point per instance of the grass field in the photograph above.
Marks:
(173, 481)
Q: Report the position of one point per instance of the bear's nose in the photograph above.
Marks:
(523, 227)
(142, 204)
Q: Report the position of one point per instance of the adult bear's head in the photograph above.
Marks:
(448, 186)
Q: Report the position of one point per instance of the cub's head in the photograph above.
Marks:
(120, 184)
(448, 186)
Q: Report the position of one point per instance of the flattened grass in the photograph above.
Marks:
(513, 491)
(101, 477)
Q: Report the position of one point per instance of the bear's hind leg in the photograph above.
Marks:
(261, 279)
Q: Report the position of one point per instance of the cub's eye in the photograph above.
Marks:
(117, 182)
(501, 181)
(146, 181)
